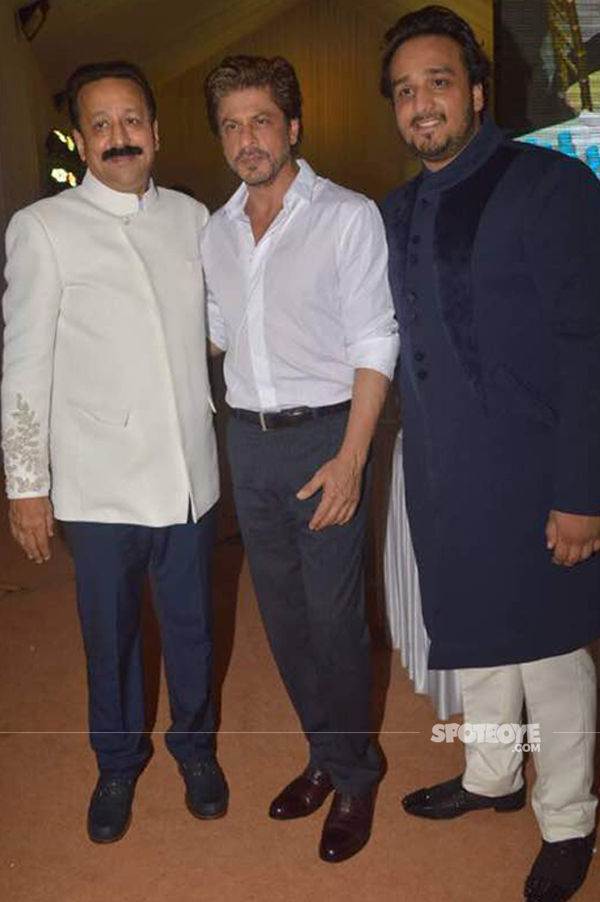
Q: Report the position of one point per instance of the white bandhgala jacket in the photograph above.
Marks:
(105, 395)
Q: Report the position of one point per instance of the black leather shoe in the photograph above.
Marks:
(109, 814)
(347, 827)
(450, 799)
(302, 796)
(207, 793)
(560, 869)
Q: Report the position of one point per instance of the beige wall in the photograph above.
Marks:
(26, 115)
(349, 130)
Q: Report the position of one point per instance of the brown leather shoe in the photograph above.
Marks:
(347, 827)
(302, 796)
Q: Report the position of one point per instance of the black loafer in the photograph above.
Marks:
(302, 796)
(560, 869)
(451, 799)
(109, 814)
(207, 793)
(347, 827)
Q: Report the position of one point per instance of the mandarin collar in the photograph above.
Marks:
(478, 150)
(120, 203)
(301, 188)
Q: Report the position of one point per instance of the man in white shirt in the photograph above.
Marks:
(107, 426)
(299, 302)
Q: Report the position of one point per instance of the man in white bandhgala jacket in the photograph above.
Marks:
(107, 426)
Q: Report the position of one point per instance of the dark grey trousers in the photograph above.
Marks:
(310, 590)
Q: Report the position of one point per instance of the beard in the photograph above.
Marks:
(446, 148)
(250, 166)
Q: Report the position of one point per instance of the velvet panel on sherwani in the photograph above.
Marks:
(494, 272)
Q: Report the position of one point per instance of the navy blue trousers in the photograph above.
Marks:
(111, 564)
(310, 592)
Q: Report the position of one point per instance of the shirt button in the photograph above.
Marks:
(419, 356)
(126, 220)
(422, 375)
(411, 297)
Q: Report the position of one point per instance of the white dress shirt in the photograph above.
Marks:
(309, 304)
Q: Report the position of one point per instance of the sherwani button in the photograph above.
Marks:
(422, 375)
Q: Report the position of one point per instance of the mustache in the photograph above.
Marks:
(424, 117)
(243, 154)
(128, 150)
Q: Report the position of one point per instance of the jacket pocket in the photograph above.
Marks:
(111, 416)
(516, 395)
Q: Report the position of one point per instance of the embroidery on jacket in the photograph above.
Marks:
(21, 446)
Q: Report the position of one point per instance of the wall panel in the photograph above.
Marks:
(349, 130)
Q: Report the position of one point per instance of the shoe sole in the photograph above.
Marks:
(501, 808)
(209, 815)
(105, 842)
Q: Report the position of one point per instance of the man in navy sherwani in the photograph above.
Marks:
(494, 272)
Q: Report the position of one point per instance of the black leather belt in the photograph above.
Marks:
(292, 416)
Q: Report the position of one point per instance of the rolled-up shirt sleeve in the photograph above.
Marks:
(371, 330)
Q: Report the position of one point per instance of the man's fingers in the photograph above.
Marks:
(326, 512)
(312, 486)
(551, 534)
(28, 540)
(570, 554)
(333, 515)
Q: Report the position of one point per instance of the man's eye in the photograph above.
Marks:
(403, 93)
(440, 82)
(133, 120)
(101, 125)
(261, 120)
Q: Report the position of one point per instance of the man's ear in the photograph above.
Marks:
(156, 135)
(478, 97)
(79, 143)
(294, 131)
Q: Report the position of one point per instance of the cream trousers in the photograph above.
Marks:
(560, 695)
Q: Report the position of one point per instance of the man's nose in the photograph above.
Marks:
(119, 135)
(423, 99)
(247, 135)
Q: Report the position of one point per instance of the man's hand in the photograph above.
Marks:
(340, 479)
(572, 537)
(32, 525)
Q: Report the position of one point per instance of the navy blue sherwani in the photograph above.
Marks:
(494, 268)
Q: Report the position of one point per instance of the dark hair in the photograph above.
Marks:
(114, 69)
(437, 20)
(236, 73)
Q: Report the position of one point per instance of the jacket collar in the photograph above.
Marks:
(120, 203)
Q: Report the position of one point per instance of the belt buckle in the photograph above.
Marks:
(263, 424)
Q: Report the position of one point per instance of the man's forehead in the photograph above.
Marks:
(247, 98)
(426, 52)
(108, 90)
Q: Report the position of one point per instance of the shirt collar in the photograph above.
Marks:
(120, 203)
(301, 188)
